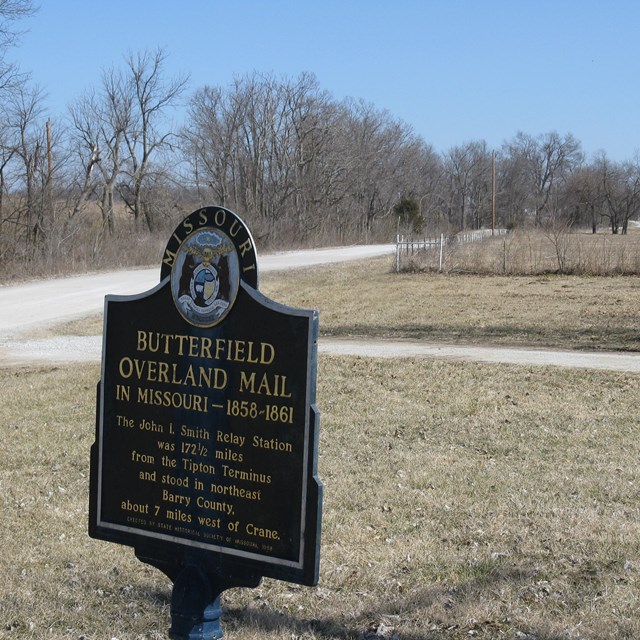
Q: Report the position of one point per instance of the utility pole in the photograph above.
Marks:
(493, 193)
(49, 174)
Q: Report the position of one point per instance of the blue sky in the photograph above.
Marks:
(455, 70)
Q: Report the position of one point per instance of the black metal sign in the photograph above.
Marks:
(206, 436)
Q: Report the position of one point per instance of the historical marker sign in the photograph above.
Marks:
(206, 436)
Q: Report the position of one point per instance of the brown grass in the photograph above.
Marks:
(535, 252)
(82, 244)
(465, 500)
(86, 247)
(461, 500)
(369, 300)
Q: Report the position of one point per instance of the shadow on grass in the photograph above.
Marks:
(598, 339)
(442, 609)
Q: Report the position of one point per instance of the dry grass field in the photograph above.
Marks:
(461, 500)
(369, 300)
(535, 252)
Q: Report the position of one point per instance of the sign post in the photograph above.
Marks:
(205, 457)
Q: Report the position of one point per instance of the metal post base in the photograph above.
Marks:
(195, 607)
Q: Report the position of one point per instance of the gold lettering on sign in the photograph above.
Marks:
(167, 373)
(202, 347)
(260, 532)
(273, 385)
(175, 400)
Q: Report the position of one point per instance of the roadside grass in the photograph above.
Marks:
(555, 249)
(461, 500)
(366, 299)
(369, 300)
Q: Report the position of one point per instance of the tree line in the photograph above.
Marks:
(298, 165)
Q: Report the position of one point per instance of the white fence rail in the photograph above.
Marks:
(408, 246)
(467, 237)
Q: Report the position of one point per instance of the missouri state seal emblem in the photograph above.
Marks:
(209, 256)
(205, 277)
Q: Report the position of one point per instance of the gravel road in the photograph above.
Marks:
(88, 349)
(45, 302)
(26, 307)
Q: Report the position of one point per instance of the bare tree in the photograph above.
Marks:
(11, 11)
(85, 143)
(7, 151)
(100, 121)
(621, 184)
(13, 89)
(25, 113)
(586, 196)
(469, 170)
(380, 149)
(544, 163)
(430, 188)
(149, 94)
(209, 143)
(512, 187)
(266, 147)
